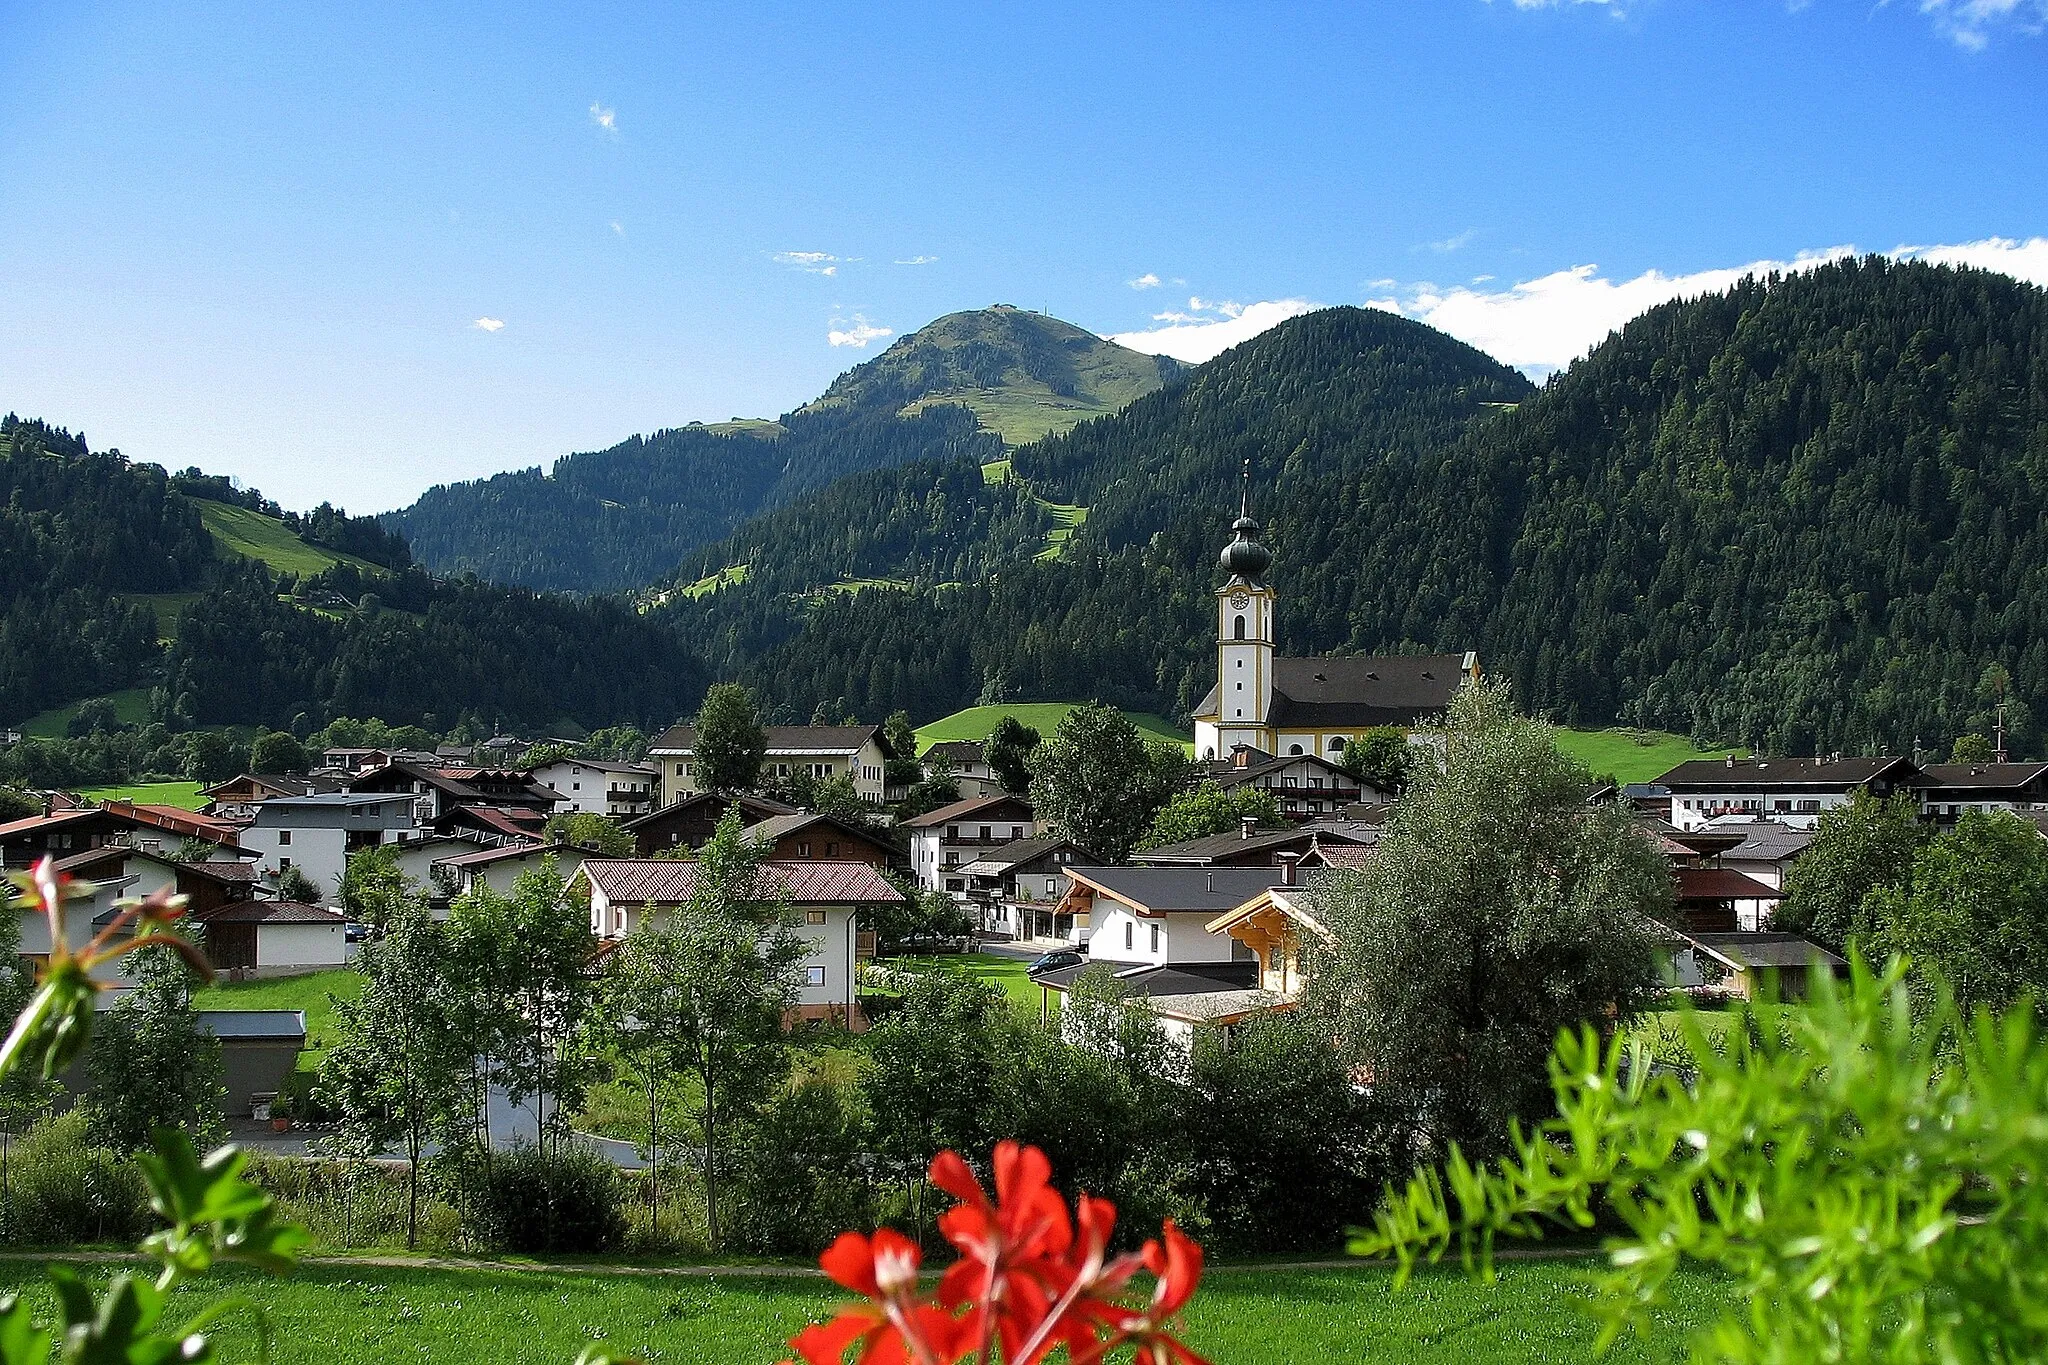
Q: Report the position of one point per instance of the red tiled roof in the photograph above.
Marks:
(268, 912)
(664, 881)
(1353, 856)
(37, 822)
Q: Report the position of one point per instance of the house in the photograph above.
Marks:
(597, 787)
(691, 821)
(1279, 925)
(204, 885)
(237, 798)
(317, 833)
(970, 771)
(272, 938)
(1250, 846)
(1947, 790)
(416, 859)
(502, 803)
(167, 828)
(1708, 897)
(101, 877)
(944, 840)
(1158, 915)
(352, 761)
(815, 751)
(1013, 889)
(1295, 706)
(259, 1050)
(1752, 966)
(812, 836)
(1303, 786)
(501, 867)
(1792, 790)
(826, 900)
(1185, 997)
(59, 834)
(1766, 853)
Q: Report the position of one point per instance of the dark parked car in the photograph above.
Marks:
(1056, 959)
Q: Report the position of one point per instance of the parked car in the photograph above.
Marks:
(1056, 959)
(356, 931)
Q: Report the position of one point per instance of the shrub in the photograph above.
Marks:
(63, 1190)
(341, 1203)
(797, 1179)
(525, 1200)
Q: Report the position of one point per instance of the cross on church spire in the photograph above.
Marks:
(1244, 503)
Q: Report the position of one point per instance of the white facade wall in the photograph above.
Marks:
(320, 853)
(587, 790)
(301, 945)
(1800, 809)
(828, 969)
(1120, 935)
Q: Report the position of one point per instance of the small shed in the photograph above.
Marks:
(274, 938)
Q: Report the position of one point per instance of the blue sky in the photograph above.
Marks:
(348, 255)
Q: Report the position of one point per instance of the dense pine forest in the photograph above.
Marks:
(1803, 514)
(621, 518)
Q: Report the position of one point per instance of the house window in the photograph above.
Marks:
(814, 917)
(1128, 929)
(1016, 832)
(814, 976)
(284, 864)
(682, 770)
(1293, 750)
(952, 831)
(986, 831)
(1155, 938)
(1336, 744)
(284, 838)
(1316, 782)
(1051, 885)
(803, 849)
(831, 849)
(1288, 781)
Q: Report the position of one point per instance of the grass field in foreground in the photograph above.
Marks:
(182, 794)
(1634, 755)
(1044, 716)
(337, 1314)
(312, 993)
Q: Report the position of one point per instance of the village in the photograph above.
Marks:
(1203, 933)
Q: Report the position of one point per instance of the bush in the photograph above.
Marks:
(528, 1201)
(796, 1180)
(342, 1203)
(62, 1190)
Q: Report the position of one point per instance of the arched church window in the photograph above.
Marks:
(1336, 744)
(1237, 630)
(1294, 751)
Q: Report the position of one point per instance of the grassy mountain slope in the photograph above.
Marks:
(624, 517)
(240, 531)
(979, 722)
(1807, 513)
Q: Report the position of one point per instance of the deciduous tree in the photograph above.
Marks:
(730, 741)
(1100, 781)
(1976, 916)
(1857, 848)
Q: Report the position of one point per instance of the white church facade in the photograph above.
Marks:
(1293, 706)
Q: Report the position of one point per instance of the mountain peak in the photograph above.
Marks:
(1023, 374)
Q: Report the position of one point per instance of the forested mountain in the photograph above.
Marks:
(93, 548)
(627, 516)
(1803, 514)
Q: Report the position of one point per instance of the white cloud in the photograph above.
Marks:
(1970, 23)
(489, 324)
(856, 332)
(1615, 7)
(1458, 242)
(1544, 324)
(618, 228)
(811, 262)
(917, 260)
(607, 119)
(1148, 280)
(1210, 329)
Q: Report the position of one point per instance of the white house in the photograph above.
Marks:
(1793, 791)
(317, 833)
(1766, 853)
(501, 868)
(816, 751)
(825, 899)
(944, 841)
(596, 787)
(1160, 915)
(273, 938)
(961, 758)
(1949, 790)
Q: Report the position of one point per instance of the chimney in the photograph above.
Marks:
(1287, 862)
(1247, 826)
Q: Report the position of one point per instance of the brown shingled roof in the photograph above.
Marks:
(665, 881)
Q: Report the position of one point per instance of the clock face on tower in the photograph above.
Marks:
(1240, 600)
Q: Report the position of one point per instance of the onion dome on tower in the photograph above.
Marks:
(1244, 557)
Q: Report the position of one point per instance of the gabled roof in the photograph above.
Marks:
(1196, 852)
(777, 827)
(958, 751)
(484, 857)
(1225, 774)
(491, 817)
(284, 784)
(1768, 841)
(602, 765)
(783, 739)
(1783, 774)
(1352, 692)
(667, 881)
(965, 810)
(268, 912)
(757, 807)
(36, 824)
(1293, 903)
(1741, 951)
(998, 862)
(1170, 979)
(1351, 857)
(1720, 884)
(1168, 890)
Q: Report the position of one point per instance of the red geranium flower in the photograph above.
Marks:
(891, 1328)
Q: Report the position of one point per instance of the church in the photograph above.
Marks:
(1288, 707)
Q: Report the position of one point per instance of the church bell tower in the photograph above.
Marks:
(1244, 637)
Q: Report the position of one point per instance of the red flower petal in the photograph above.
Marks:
(850, 1261)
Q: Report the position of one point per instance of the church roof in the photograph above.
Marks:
(1351, 692)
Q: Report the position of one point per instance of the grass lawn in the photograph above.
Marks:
(184, 794)
(1007, 972)
(166, 605)
(711, 583)
(338, 1313)
(312, 993)
(255, 536)
(1634, 755)
(130, 708)
(1044, 716)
